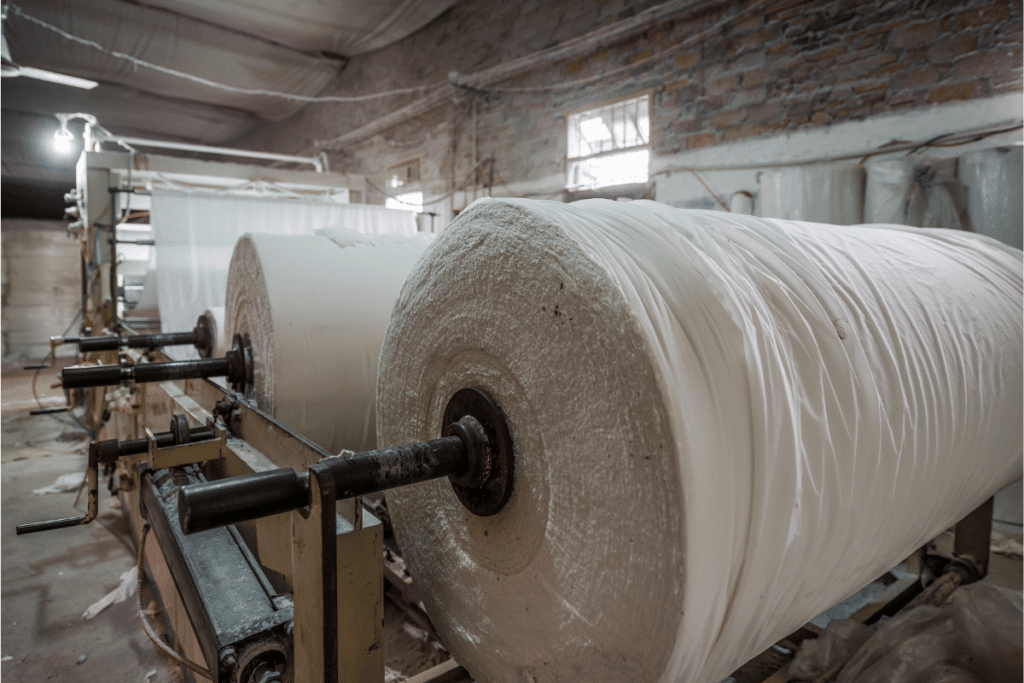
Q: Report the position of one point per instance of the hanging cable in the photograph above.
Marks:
(214, 84)
(434, 200)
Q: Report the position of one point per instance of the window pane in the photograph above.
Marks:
(411, 201)
(614, 169)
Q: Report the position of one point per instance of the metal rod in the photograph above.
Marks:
(227, 151)
(262, 494)
(138, 341)
(109, 375)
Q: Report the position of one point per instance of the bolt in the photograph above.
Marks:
(228, 658)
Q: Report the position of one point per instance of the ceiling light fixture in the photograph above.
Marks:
(64, 139)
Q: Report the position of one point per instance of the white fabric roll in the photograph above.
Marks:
(316, 308)
(826, 193)
(724, 425)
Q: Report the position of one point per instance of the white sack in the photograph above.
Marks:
(823, 193)
(918, 191)
(995, 180)
(196, 233)
(316, 308)
(724, 425)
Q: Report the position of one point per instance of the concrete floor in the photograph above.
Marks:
(49, 579)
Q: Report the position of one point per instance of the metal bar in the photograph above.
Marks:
(144, 243)
(226, 151)
(972, 536)
(135, 341)
(262, 494)
(240, 499)
(327, 503)
(108, 375)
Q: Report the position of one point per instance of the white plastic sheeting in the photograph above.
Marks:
(822, 193)
(195, 235)
(316, 308)
(172, 41)
(994, 179)
(724, 425)
(918, 191)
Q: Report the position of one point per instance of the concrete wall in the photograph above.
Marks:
(722, 73)
(41, 286)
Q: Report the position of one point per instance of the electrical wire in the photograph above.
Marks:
(968, 136)
(164, 649)
(434, 200)
(214, 84)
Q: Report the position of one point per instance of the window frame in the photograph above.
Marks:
(594, 108)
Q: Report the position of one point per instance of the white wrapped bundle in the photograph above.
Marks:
(723, 425)
(316, 308)
(825, 193)
(995, 179)
(919, 191)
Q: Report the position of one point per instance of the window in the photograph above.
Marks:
(405, 177)
(609, 145)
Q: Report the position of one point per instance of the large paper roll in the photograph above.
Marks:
(723, 425)
(315, 308)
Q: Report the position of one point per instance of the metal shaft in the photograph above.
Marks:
(137, 341)
(107, 375)
(475, 452)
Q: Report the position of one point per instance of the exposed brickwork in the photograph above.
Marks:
(758, 68)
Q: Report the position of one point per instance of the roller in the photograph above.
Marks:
(315, 309)
(723, 425)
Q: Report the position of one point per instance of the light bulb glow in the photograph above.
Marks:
(63, 141)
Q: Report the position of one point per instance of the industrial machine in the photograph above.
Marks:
(267, 562)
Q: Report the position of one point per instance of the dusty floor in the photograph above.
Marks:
(49, 579)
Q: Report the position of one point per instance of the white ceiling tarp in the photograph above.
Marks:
(169, 40)
(346, 27)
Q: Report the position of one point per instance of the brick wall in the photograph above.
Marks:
(729, 71)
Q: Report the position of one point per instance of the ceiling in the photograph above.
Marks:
(290, 46)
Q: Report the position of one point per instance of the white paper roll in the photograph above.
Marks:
(724, 425)
(316, 308)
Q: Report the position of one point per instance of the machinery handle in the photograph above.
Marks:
(86, 344)
(33, 527)
(240, 499)
(49, 411)
(98, 376)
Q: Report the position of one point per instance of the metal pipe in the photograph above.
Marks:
(262, 494)
(109, 375)
(138, 341)
(187, 147)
